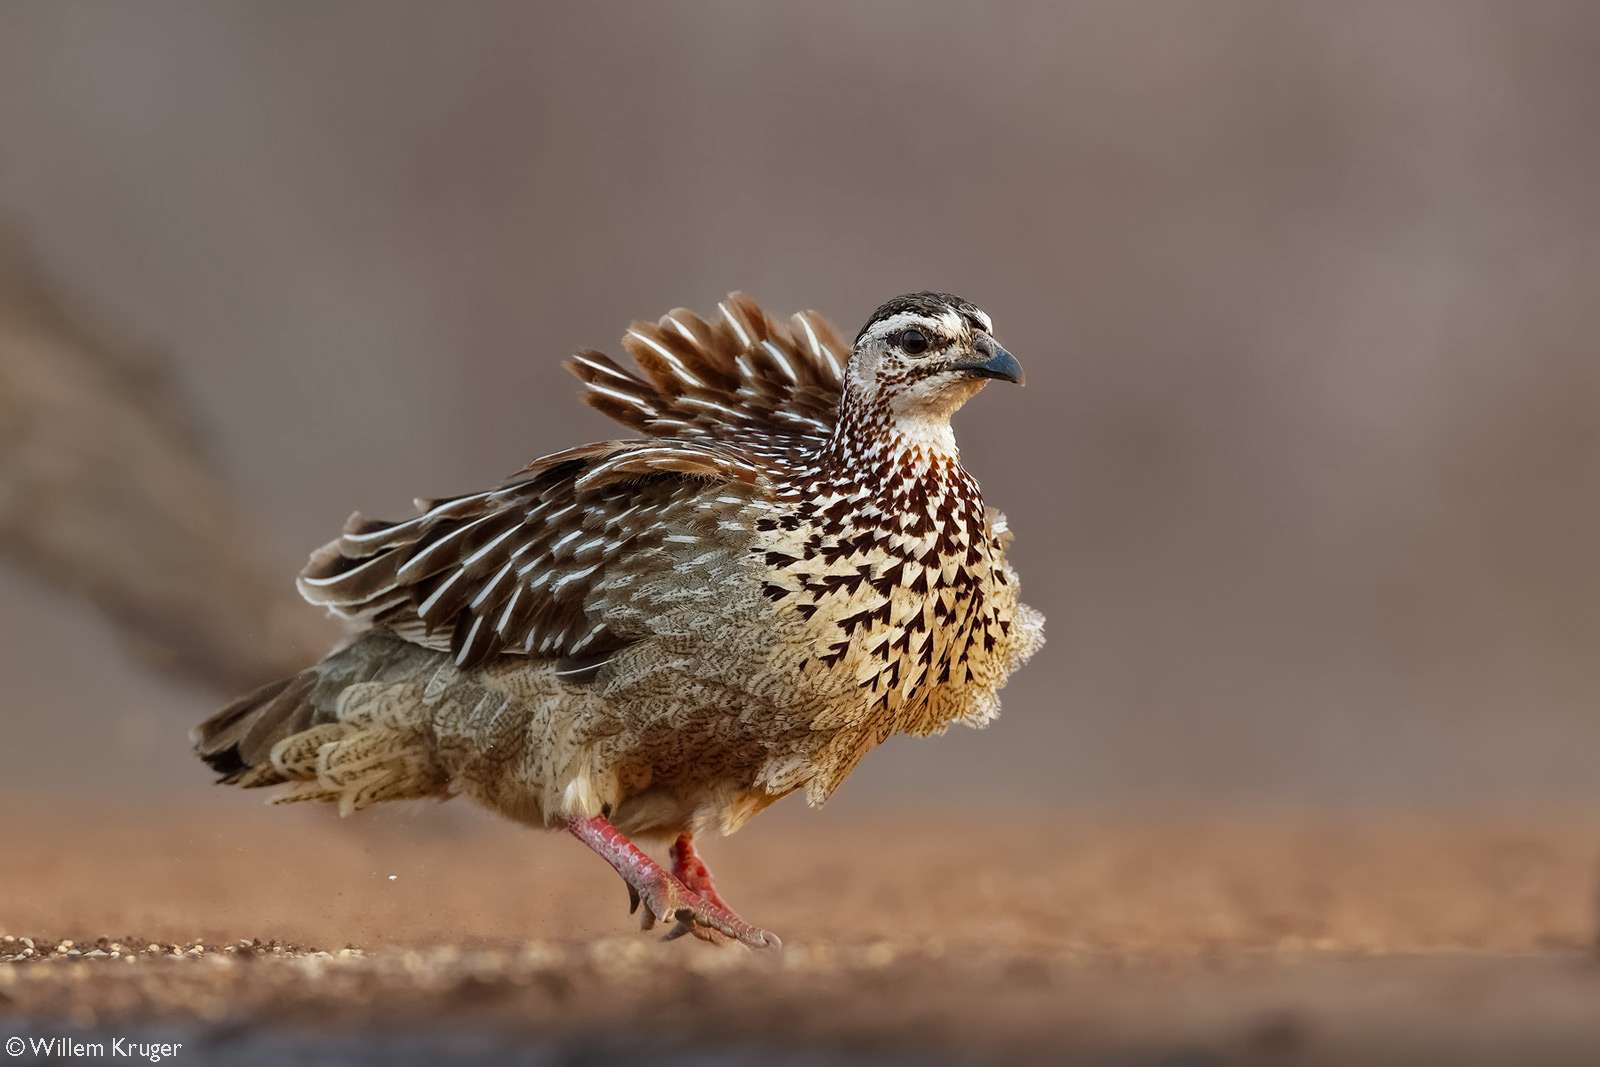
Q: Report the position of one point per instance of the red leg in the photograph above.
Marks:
(664, 896)
(691, 870)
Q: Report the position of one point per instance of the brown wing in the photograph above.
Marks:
(513, 570)
(768, 388)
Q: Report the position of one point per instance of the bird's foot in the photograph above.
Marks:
(666, 897)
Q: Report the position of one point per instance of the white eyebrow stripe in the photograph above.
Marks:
(733, 320)
(662, 351)
(899, 321)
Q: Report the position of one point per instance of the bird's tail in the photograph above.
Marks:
(237, 742)
(340, 731)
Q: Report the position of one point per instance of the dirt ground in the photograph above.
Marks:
(252, 934)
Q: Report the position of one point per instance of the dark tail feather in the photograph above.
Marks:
(237, 741)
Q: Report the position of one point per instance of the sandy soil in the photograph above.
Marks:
(1192, 939)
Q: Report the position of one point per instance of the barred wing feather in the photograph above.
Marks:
(769, 388)
(514, 570)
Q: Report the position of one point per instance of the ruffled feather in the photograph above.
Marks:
(516, 569)
(769, 389)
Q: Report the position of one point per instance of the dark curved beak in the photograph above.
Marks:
(999, 364)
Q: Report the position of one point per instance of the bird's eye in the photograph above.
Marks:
(913, 343)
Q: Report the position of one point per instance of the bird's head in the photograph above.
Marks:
(922, 355)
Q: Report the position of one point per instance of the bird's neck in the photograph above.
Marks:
(873, 442)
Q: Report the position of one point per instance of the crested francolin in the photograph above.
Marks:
(658, 637)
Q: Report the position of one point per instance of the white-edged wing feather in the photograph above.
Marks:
(516, 569)
(769, 389)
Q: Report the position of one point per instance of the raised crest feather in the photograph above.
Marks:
(770, 389)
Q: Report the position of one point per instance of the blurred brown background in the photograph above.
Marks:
(1307, 473)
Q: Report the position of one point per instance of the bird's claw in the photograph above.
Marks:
(696, 915)
(717, 925)
(688, 925)
(720, 930)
